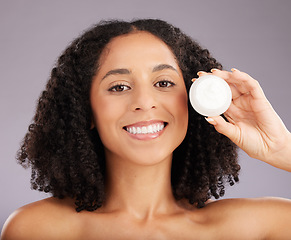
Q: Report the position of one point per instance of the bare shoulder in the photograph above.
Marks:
(255, 205)
(45, 219)
(249, 202)
(258, 218)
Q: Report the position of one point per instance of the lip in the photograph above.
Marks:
(146, 130)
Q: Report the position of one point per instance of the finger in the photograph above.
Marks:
(224, 127)
(226, 75)
(202, 73)
(244, 83)
(236, 87)
(249, 84)
(232, 113)
(229, 117)
(234, 91)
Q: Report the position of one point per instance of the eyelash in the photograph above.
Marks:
(169, 83)
(116, 86)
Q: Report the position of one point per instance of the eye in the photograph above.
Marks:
(164, 84)
(119, 88)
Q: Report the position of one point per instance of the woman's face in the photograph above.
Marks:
(139, 100)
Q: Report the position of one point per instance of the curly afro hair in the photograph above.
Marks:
(67, 157)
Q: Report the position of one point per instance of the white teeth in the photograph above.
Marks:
(144, 130)
(150, 129)
(153, 128)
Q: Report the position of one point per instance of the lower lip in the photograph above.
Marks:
(148, 136)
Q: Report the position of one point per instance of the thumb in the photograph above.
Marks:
(224, 127)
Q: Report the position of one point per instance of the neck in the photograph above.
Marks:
(142, 191)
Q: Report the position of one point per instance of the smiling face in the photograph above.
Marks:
(139, 100)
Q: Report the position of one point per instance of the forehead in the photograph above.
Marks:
(136, 46)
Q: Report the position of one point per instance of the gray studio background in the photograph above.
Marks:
(251, 35)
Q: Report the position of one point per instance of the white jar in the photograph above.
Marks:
(210, 95)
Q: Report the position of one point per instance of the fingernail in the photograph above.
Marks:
(200, 72)
(193, 79)
(213, 70)
(210, 120)
(234, 69)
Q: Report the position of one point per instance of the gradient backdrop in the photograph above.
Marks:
(251, 35)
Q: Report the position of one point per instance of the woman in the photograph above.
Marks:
(125, 156)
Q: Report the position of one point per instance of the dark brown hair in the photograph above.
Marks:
(67, 157)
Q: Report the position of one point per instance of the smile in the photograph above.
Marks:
(153, 128)
(143, 128)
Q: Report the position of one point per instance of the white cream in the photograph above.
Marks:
(210, 95)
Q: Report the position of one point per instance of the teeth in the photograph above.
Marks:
(146, 129)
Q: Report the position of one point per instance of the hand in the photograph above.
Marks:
(253, 124)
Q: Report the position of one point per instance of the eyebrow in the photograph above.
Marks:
(121, 71)
(161, 67)
(117, 71)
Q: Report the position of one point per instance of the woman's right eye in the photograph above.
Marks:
(119, 88)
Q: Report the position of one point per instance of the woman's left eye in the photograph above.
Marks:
(119, 88)
(164, 84)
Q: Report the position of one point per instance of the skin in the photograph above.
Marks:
(251, 116)
(139, 205)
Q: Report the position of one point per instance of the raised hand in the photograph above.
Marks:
(253, 124)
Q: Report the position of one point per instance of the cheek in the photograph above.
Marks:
(177, 105)
(180, 104)
(105, 111)
(182, 113)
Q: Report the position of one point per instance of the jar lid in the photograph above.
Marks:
(210, 95)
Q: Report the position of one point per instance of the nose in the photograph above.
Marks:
(143, 99)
